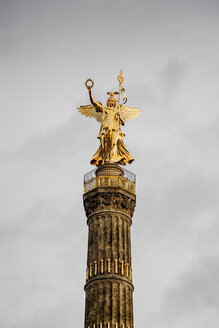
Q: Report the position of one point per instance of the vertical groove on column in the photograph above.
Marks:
(129, 306)
(94, 239)
(125, 298)
(125, 241)
(124, 304)
(108, 301)
(98, 302)
(107, 237)
(121, 304)
(101, 248)
(117, 229)
(88, 249)
(127, 238)
(129, 241)
(104, 302)
(122, 239)
(119, 300)
(123, 236)
(119, 238)
(131, 309)
(104, 236)
(111, 237)
(113, 229)
(98, 238)
(111, 305)
(118, 303)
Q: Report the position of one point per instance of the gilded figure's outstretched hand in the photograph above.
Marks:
(89, 86)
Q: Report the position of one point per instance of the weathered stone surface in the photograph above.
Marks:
(112, 200)
(109, 301)
(109, 273)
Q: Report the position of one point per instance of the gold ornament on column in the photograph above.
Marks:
(111, 148)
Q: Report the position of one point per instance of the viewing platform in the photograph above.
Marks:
(107, 176)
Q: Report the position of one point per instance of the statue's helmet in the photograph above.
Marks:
(112, 98)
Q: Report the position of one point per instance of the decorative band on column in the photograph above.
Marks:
(108, 266)
(108, 325)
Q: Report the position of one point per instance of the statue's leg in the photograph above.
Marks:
(108, 145)
(112, 154)
(103, 145)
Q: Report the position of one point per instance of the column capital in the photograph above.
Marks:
(110, 199)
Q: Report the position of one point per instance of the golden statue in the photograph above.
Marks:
(112, 148)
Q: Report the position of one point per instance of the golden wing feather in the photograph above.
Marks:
(129, 113)
(90, 111)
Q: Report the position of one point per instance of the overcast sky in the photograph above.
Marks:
(168, 51)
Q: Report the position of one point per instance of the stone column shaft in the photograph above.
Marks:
(109, 207)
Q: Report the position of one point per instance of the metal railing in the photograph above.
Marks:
(89, 175)
(127, 175)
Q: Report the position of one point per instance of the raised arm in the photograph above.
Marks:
(98, 106)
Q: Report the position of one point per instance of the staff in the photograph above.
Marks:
(121, 80)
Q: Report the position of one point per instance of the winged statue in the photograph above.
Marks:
(111, 148)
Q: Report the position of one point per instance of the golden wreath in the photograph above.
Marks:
(89, 86)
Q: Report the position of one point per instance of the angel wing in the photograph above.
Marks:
(128, 113)
(90, 111)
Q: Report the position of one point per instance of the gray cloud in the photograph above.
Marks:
(41, 254)
(63, 314)
(169, 56)
(197, 289)
(173, 76)
(192, 301)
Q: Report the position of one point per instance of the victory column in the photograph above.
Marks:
(109, 202)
